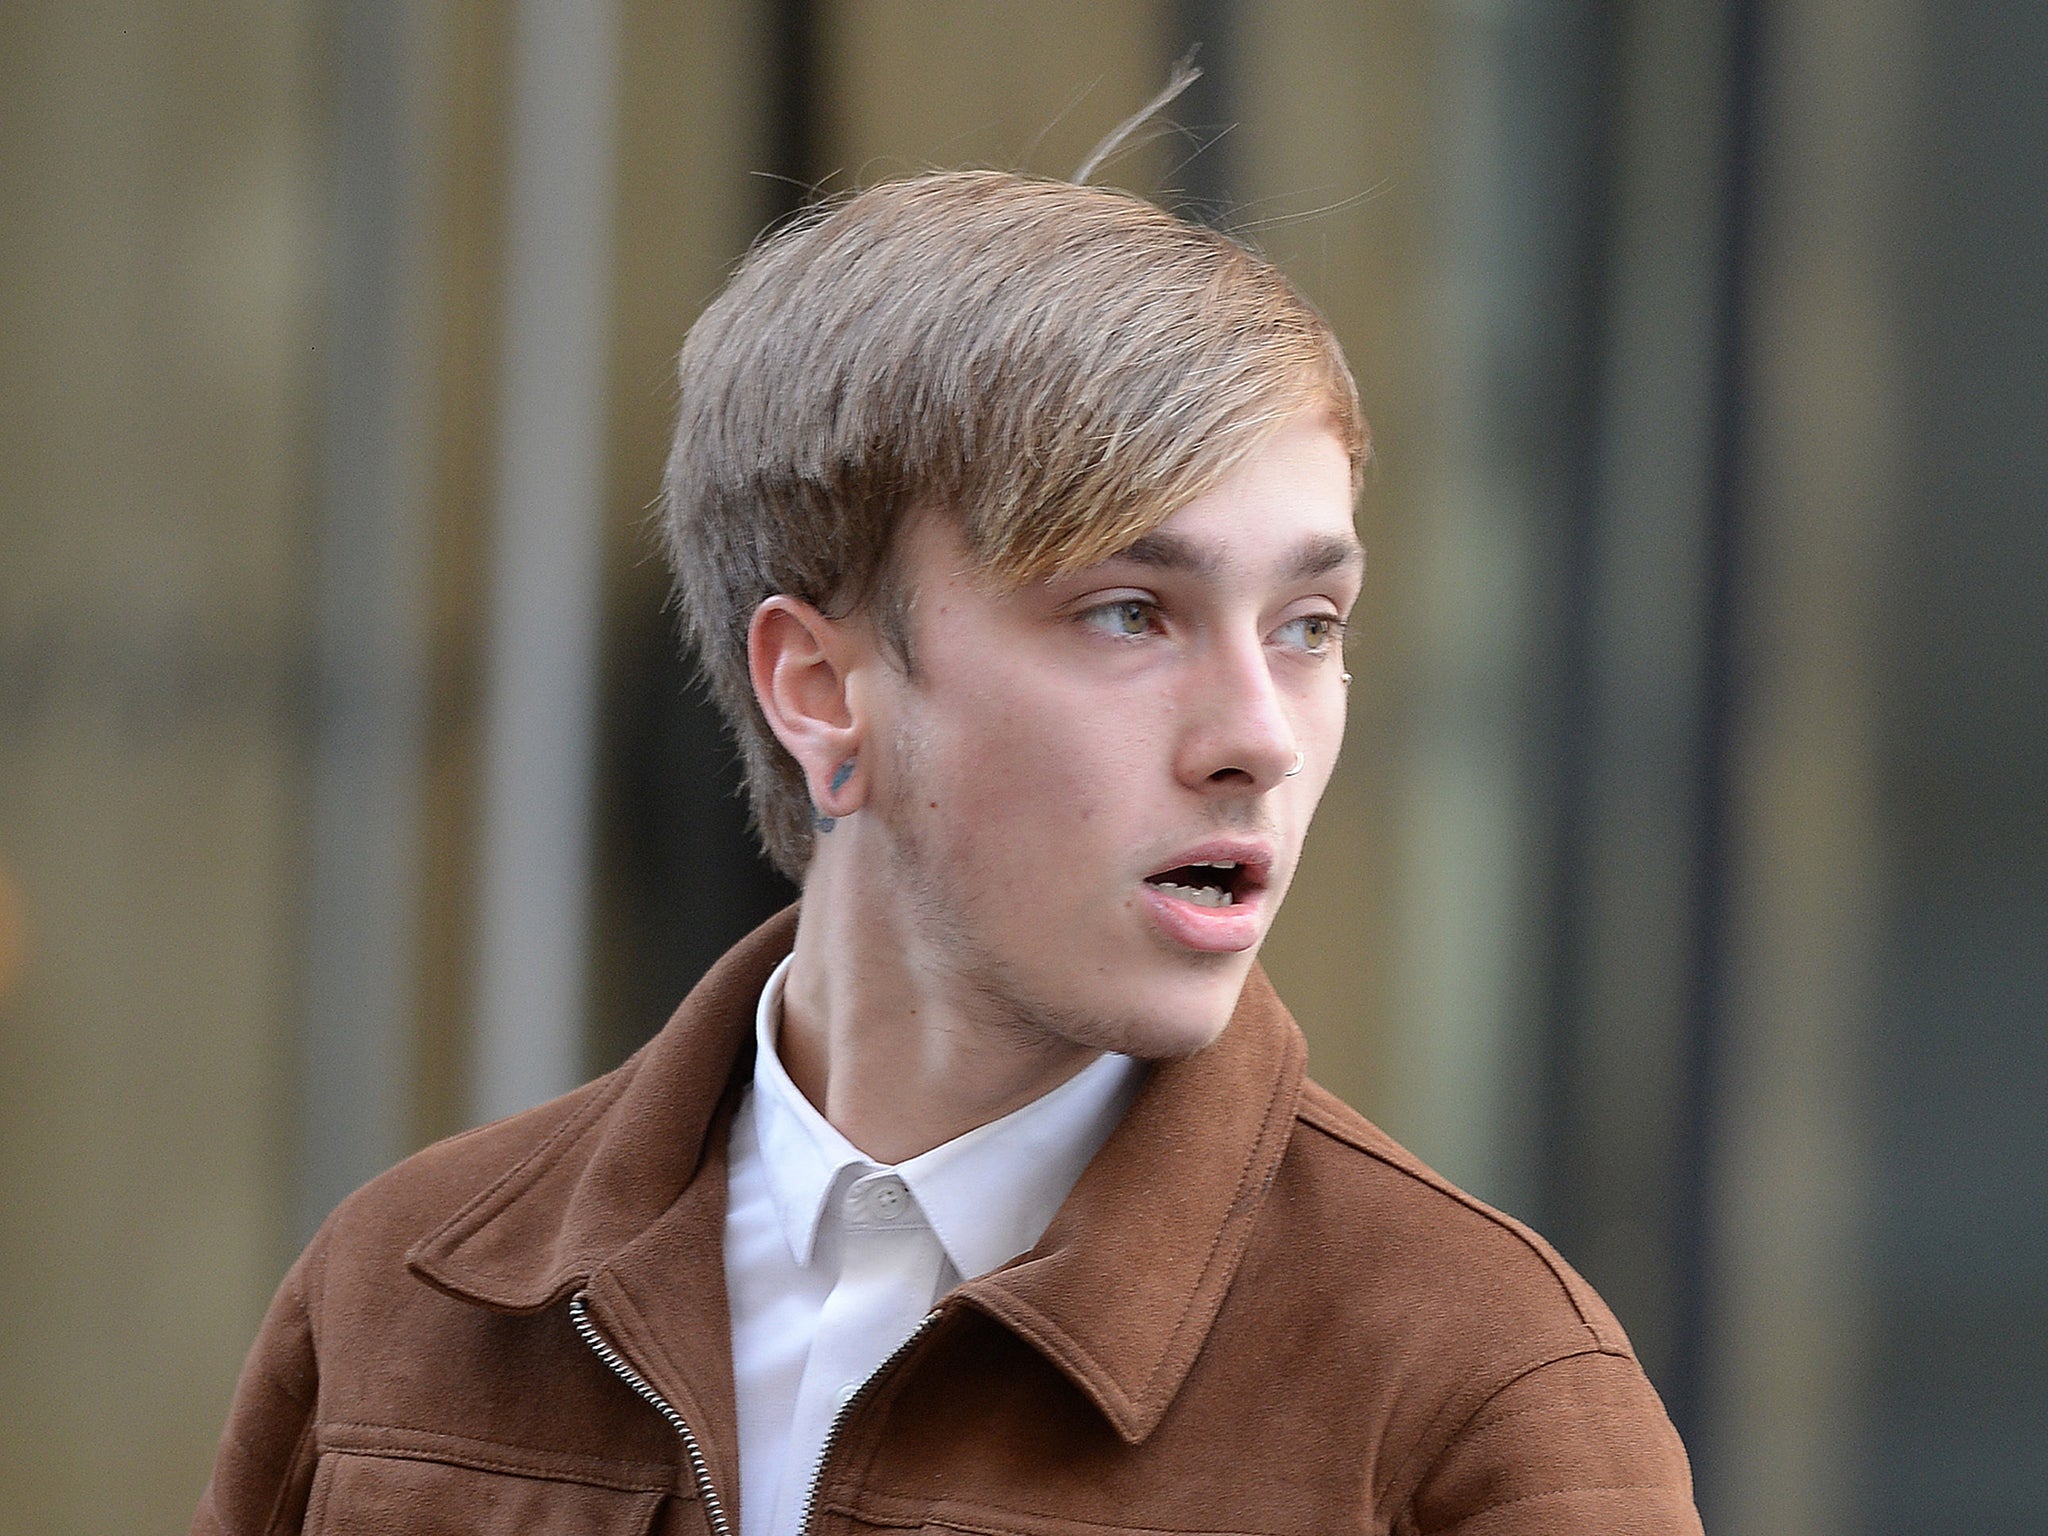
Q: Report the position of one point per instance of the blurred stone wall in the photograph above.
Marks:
(159, 298)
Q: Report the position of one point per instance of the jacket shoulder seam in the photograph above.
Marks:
(295, 1286)
(1605, 1342)
(301, 1454)
(1435, 1440)
(1553, 1493)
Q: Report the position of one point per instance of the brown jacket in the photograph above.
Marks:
(1255, 1313)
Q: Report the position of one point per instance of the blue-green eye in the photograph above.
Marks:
(1125, 619)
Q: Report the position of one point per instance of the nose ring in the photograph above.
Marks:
(1299, 759)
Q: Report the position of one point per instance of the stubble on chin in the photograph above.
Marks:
(1127, 1035)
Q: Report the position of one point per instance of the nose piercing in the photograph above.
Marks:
(1299, 759)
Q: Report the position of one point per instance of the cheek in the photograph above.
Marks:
(1022, 777)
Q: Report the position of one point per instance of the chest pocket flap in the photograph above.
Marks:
(357, 1494)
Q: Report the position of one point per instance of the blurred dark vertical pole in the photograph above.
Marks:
(1956, 1276)
(1564, 1138)
(1644, 445)
(1704, 1023)
(1202, 179)
(796, 156)
(691, 877)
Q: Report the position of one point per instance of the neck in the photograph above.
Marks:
(883, 1033)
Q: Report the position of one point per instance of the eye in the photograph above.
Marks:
(1315, 633)
(1128, 618)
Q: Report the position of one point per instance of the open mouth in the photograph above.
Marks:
(1206, 883)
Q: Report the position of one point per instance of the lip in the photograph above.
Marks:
(1214, 930)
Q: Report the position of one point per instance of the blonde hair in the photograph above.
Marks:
(1058, 367)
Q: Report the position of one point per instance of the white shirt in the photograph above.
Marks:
(833, 1260)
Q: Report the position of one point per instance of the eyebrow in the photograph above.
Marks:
(1317, 556)
(1324, 553)
(1168, 552)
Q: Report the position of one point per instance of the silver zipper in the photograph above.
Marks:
(803, 1523)
(619, 1366)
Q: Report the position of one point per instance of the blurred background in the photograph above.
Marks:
(1684, 888)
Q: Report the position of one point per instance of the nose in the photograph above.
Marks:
(1238, 734)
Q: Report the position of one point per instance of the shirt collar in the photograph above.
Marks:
(988, 1194)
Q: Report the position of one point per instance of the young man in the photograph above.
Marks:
(984, 1193)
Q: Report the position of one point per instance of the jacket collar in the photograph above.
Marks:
(627, 1198)
(1121, 1291)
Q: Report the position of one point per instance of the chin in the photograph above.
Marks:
(1169, 1039)
(1172, 1017)
(1152, 1000)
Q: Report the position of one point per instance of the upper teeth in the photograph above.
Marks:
(1217, 895)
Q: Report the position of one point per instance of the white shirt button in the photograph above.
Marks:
(888, 1199)
(845, 1394)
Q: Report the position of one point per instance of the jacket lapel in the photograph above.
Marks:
(626, 1199)
(1123, 1288)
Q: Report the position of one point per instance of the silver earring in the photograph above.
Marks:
(1346, 676)
(1299, 759)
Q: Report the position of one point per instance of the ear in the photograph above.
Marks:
(800, 662)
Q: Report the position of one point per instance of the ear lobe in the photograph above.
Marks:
(798, 660)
